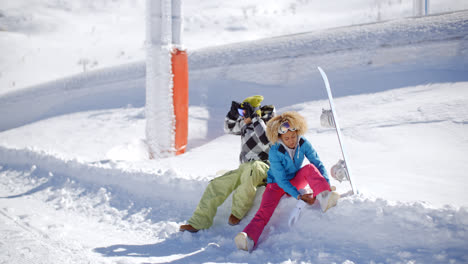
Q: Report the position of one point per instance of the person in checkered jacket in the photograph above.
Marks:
(248, 120)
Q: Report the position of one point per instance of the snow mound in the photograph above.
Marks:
(134, 230)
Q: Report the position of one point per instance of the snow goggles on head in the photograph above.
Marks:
(240, 111)
(285, 126)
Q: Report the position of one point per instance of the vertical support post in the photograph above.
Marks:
(180, 79)
(421, 7)
(166, 80)
(159, 108)
(426, 6)
(177, 23)
(181, 99)
(417, 7)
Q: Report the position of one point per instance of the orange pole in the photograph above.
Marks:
(180, 98)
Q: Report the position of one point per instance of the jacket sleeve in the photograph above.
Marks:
(232, 126)
(279, 173)
(313, 157)
(260, 130)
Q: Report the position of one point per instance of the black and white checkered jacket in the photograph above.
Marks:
(254, 142)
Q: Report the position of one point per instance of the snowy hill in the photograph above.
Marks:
(420, 50)
(44, 40)
(76, 185)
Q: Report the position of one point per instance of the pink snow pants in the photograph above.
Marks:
(308, 174)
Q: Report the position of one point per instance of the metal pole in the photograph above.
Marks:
(177, 23)
(159, 102)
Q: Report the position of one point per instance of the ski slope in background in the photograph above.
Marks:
(45, 40)
(76, 185)
(361, 59)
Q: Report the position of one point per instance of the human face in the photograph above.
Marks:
(289, 139)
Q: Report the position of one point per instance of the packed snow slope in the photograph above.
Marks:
(359, 59)
(76, 185)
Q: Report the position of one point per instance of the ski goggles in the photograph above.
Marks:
(284, 127)
(241, 111)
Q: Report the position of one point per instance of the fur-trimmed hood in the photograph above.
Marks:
(294, 119)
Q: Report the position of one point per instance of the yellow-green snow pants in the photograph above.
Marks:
(242, 181)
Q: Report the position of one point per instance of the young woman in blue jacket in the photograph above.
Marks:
(286, 175)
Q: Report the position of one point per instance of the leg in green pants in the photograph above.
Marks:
(244, 180)
(244, 194)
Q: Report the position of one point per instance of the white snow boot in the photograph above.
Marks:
(244, 242)
(327, 199)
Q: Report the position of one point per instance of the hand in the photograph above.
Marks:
(308, 198)
(249, 110)
(233, 113)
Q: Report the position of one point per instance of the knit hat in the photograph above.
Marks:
(254, 101)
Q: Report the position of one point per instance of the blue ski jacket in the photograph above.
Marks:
(283, 168)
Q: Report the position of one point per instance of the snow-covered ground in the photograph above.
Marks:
(76, 185)
(79, 188)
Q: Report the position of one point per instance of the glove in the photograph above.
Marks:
(308, 198)
(233, 114)
(249, 110)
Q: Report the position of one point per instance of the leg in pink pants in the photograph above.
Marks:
(273, 193)
(309, 174)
